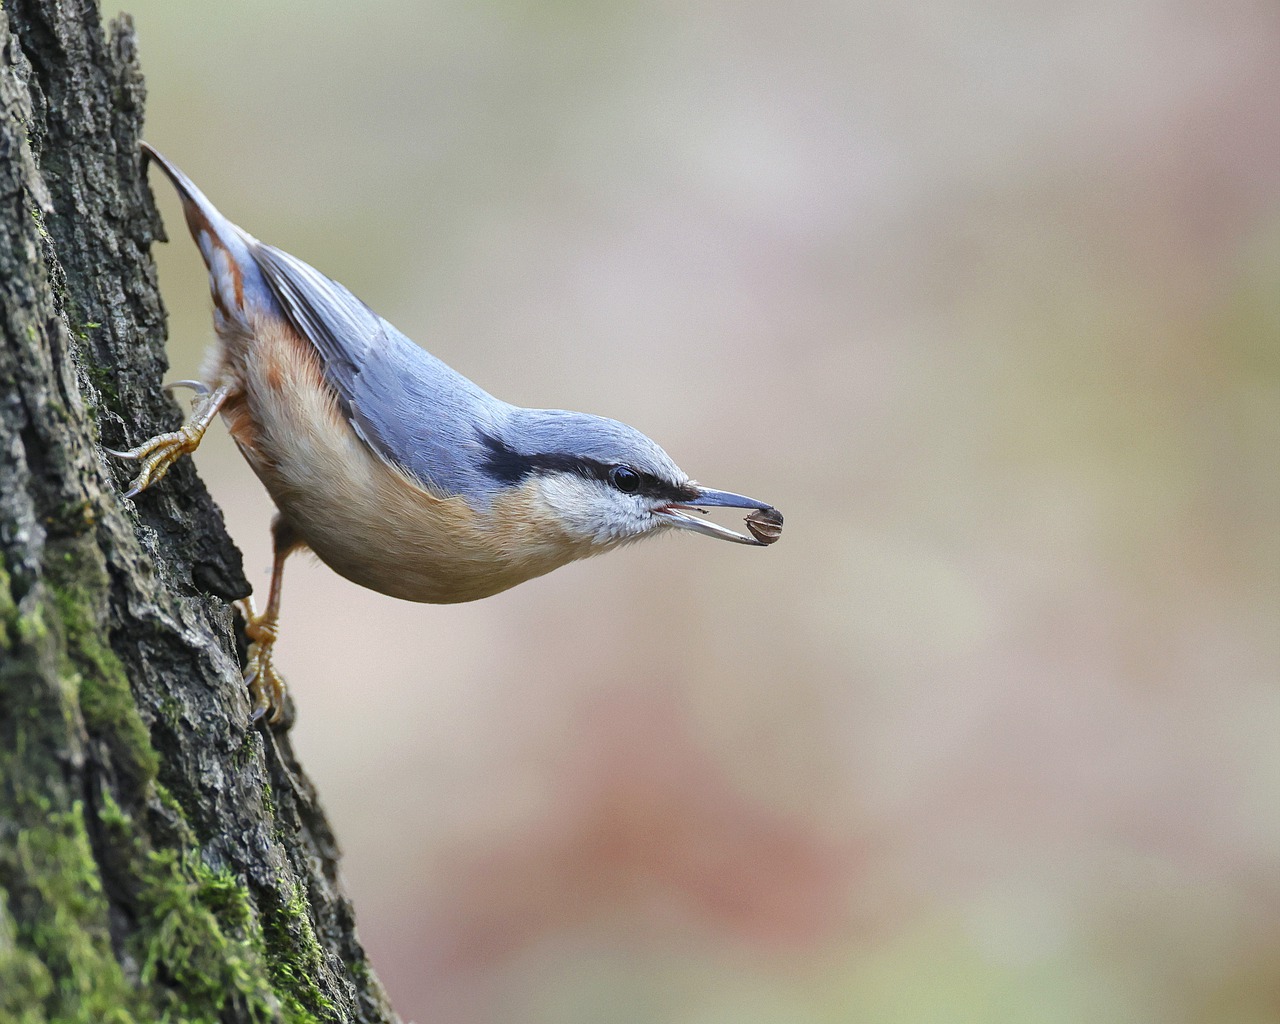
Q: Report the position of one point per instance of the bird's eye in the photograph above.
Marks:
(626, 480)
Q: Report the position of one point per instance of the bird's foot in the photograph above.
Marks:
(158, 453)
(266, 689)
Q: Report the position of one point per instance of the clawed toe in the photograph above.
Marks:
(158, 453)
(266, 689)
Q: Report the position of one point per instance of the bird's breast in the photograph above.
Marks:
(363, 517)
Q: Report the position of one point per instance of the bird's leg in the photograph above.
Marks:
(266, 688)
(158, 453)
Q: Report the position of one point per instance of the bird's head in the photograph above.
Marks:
(603, 482)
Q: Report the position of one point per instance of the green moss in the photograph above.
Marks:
(56, 957)
(106, 700)
(102, 378)
(32, 629)
(25, 982)
(63, 926)
(8, 611)
(199, 940)
(170, 710)
(247, 751)
(298, 959)
(196, 946)
(208, 947)
(169, 802)
(38, 217)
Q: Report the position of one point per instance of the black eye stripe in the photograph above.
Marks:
(511, 467)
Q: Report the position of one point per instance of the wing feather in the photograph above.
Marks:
(410, 408)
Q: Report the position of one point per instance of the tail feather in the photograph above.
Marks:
(234, 278)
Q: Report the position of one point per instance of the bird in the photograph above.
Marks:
(398, 472)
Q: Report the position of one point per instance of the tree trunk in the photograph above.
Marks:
(159, 857)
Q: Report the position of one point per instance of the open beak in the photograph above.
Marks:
(677, 514)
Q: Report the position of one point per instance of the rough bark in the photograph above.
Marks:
(159, 857)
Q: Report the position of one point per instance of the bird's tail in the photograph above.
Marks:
(234, 277)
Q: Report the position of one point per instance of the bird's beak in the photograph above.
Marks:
(677, 514)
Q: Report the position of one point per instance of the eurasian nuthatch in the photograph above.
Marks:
(399, 473)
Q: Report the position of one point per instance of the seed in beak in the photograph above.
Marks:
(765, 525)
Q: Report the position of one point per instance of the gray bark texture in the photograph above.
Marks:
(160, 859)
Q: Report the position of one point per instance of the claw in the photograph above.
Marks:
(198, 386)
(266, 688)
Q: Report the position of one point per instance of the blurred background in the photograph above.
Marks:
(986, 297)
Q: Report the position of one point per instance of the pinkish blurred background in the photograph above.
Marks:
(986, 298)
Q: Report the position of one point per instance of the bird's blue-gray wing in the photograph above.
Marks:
(407, 405)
